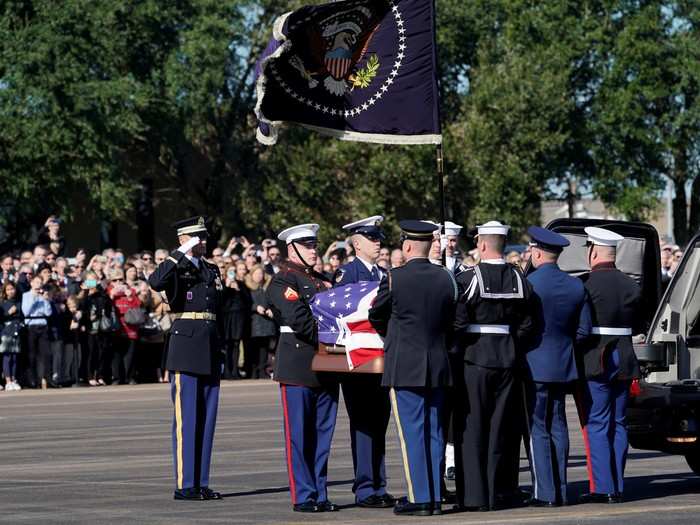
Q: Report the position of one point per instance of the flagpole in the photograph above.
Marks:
(441, 193)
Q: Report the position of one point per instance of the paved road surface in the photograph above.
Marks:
(102, 455)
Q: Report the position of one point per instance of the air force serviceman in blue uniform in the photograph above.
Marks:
(193, 289)
(563, 316)
(414, 310)
(609, 364)
(366, 400)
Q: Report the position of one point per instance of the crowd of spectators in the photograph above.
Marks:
(91, 319)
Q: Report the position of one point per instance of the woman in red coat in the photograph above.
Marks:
(125, 299)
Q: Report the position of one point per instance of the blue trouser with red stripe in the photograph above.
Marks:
(602, 406)
(195, 399)
(549, 441)
(418, 415)
(309, 420)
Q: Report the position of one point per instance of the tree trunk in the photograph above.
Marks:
(680, 202)
(571, 194)
(694, 221)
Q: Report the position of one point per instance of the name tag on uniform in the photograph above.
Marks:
(189, 296)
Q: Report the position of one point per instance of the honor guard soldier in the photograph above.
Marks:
(414, 311)
(452, 232)
(492, 317)
(193, 289)
(309, 401)
(561, 311)
(609, 365)
(366, 400)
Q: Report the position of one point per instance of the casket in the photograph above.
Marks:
(332, 358)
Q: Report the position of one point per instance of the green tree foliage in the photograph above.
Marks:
(96, 96)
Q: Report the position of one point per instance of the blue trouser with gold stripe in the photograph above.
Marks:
(309, 421)
(549, 441)
(196, 399)
(418, 415)
(369, 411)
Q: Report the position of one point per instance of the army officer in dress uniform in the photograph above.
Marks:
(366, 400)
(309, 401)
(563, 317)
(414, 310)
(491, 320)
(609, 365)
(193, 289)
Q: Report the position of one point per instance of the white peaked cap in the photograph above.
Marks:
(375, 220)
(301, 231)
(492, 228)
(452, 229)
(602, 237)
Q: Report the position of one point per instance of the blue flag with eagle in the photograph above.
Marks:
(362, 70)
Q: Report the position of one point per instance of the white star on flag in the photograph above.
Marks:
(348, 306)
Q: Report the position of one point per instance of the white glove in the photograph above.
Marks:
(194, 241)
(443, 242)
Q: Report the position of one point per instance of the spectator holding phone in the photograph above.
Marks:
(36, 309)
(130, 315)
(10, 334)
(262, 326)
(99, 320)
(236, 310)
(50, 234)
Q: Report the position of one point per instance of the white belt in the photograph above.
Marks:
(502, 329)
(286, 330)
(607, 330)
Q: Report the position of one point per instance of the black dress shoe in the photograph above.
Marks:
(210, 494)
(448, 496)
(192, 494)
(534, 502)
(384, 501)
(307, 506)
(405, 508)
(437, 509)
(467, 508)
(450, 474)
(327, 506)
(595, 497)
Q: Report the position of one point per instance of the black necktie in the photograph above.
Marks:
(375, 273)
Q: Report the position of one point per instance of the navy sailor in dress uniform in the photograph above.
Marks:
(193, 289)
(492, 318)
(563, 316)
(366, 400)
(309, 401)
(609, 364)
(414, 311)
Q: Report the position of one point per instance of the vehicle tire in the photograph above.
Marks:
(693, 460)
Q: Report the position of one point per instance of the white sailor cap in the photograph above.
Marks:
(452, 229)
(602, 237)
(492, 228)
(375, 220)
(298, 232)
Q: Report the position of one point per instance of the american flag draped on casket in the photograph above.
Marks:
(341, 314)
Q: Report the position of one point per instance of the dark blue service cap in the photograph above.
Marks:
(547, 239)
(418, 230)
(191, 226)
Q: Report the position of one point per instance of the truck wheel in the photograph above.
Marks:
(693, 460)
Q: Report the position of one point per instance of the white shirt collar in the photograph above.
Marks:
(367, 265)
(494, 261)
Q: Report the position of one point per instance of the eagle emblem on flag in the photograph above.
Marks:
(339, 43)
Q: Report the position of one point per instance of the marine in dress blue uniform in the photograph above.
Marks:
(414, 311)
(609, 364)
(562, 316)
(366, 400)
(193, 289)
(309, 401)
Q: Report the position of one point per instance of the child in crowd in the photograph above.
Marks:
(10, 334)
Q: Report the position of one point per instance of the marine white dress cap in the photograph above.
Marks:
(375, 220)
(602, 237)
(493, 228)
(452, 229)
(300, 231)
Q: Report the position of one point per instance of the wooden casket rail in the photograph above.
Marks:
(331, 358)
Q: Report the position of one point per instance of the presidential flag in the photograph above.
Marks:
(341, 314)
(362, 70)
